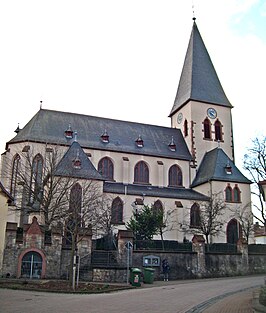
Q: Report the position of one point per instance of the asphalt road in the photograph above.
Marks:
(161, 297)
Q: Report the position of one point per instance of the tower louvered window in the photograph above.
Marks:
(207, 129)
(218, 131)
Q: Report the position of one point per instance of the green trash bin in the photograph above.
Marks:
(148, 275)
(135, 277)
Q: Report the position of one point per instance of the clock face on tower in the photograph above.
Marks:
(179, 118)
(212, 113)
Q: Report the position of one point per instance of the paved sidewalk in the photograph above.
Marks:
(238, 303)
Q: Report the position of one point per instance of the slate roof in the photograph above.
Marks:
(50, 126)
(199, 80)
(5, 192)
(86, 170)
(213, 167)
(154, 191)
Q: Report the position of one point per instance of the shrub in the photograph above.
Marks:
(262, 296)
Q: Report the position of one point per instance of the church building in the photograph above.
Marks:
(174, 169)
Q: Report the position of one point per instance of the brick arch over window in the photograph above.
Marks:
(207, 128)
(195, 215)
(175, 176)
(14, 175)
(218, 130)
(106, 168)
(141, 173)
(117, 211)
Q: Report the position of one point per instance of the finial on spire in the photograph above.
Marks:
(40, 104)
(193, 11)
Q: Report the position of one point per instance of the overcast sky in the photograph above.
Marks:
(122, 59)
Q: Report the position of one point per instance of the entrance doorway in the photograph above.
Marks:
(31, 265)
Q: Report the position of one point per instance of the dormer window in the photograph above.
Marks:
(77, 161)
(139, 142)
(228, 168)
(105, 137)
(172, 145)
(69, 132)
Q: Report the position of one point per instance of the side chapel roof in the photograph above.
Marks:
(75, 163)
(216, 165)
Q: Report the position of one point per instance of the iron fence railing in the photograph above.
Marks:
(166, 245)
(221, 248)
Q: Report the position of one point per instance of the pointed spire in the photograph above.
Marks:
(199, 80)
(17, 129)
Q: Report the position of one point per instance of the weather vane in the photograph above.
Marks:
(193, 11)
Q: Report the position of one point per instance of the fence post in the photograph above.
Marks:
(198, 246)
(242, 247)
(124, 236)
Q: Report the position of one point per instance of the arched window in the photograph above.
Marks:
(228, 194)
(106, 168)
(233, 231)
(185, 128)
(31, 265)
(117, 211)
(141, 173)
(236, 194)
(175, 176)
(74, 217)
(157, 207)
(195, 216)
(14, 175)
(36, 180)
(75, 201)
(218, 130)
(207, 128)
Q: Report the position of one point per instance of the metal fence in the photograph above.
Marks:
(166, 245)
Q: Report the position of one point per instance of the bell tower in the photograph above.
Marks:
(201, 108)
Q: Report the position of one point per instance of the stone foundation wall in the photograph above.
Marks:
(110, 275)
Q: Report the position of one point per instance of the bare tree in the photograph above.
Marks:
(79, 216)
(245, 216)
(255, 164)
(73, 205)
(35, 186)
(207, 217)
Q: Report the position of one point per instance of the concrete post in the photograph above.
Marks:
(198, 246)
(242, 247)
